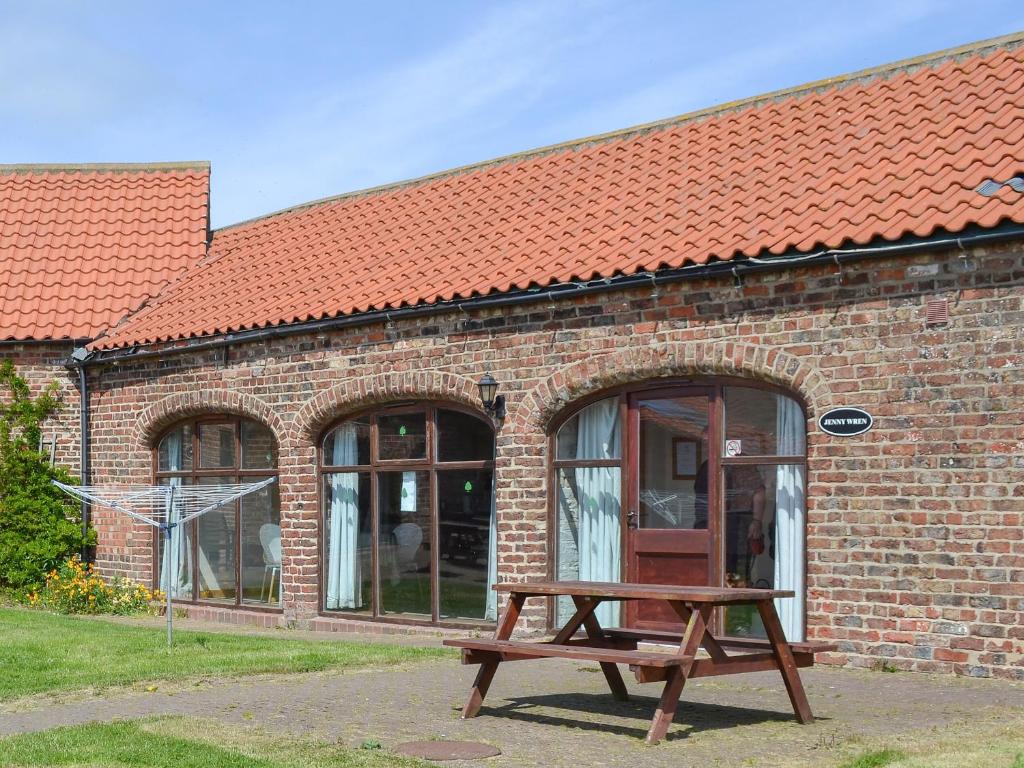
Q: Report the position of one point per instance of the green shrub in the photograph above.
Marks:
(40, 526)
(76, 588)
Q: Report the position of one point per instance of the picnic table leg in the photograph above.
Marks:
(584, 607)
(784, 658)
(696, 626)
(594, 632)
(485, 674)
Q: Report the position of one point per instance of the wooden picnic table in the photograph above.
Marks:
(612, 646)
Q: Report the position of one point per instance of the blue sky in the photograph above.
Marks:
(292, 101)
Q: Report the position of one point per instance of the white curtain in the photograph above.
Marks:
(176, 565)
(789, 518)
(491, 606)
(344, 580)
(600, 493)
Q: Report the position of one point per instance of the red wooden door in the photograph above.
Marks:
(670, 526)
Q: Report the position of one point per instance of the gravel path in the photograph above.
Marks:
(559, 713)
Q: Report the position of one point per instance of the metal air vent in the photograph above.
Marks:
(937, 311)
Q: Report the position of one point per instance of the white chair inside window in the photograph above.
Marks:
(270, 538)
(408, 538)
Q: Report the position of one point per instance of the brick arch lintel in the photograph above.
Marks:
(182, 405)
(544, 402)
(357, 394)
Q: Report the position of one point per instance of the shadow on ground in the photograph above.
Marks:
(591, 711)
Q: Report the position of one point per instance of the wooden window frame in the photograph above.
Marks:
(431, 465)
(714, 387)
(235, 474)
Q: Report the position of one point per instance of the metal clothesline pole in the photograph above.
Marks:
(168, 527)
(148, 498)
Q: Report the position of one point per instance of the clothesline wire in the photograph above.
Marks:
(164, 506)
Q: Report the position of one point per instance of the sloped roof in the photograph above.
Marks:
(877, 156)
(82, 246)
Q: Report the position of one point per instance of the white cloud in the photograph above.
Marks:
(396, 124)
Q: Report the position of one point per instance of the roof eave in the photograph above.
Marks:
(736, 268)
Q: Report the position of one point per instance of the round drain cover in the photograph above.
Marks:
(447, 750)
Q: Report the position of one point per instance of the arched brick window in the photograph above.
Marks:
(408, 515)
(231, 555)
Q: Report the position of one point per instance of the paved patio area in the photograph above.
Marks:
(554, 711)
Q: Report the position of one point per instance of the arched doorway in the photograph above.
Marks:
(698, 483)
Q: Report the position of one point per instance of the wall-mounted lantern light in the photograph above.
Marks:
(493, 403)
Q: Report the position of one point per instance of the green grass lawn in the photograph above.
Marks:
(183, 743)
(966, 745)
(176, 742)
(43, 652)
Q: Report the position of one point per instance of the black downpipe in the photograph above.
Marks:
(83, 415)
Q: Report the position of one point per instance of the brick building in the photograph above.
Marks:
(80, 248)
(669, 311)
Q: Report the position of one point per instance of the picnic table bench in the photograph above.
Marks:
(612, 646)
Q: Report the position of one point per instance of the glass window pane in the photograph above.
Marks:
(176, 576)
(404, 544)
(673, 462)
(348, 528)
(762, 423)
(348, 444)
(589, 532)
(464, 519)
(259, 449)
(174, 454)
(593, 433)
(216, 555)
(217, 446)
(462, 437)
(402, 436)
(568, 564)
(261, 545)
(764, 542)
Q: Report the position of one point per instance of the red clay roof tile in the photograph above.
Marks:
(82, 246)
(881, 156)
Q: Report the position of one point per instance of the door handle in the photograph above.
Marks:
(631, 519)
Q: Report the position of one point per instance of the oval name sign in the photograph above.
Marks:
(845, 422)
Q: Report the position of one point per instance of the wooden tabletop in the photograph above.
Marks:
(626, 591)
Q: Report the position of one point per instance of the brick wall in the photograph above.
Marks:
(41, 364)
(915, 538)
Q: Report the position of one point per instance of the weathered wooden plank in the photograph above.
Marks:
(611, 672)
(786, 662)
(523, 649)
(676, 679)
(626, 591)
(584, 610)
(805, 646)
(727, 642)
(485, 674)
